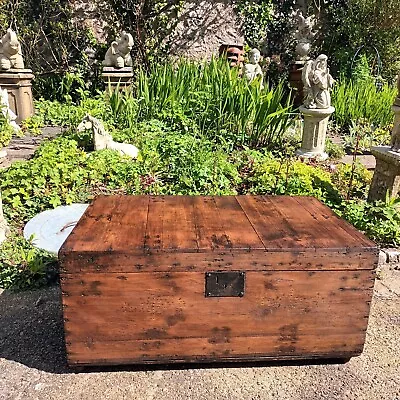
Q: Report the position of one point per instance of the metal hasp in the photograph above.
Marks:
(225, 284)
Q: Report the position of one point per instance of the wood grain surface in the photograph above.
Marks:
(133, 280)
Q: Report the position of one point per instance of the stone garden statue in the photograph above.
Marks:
(5, 109)
(103, 140)
(10, 52)
(304, 35)
(118, 55)
(317, 83)
(252, 70)
(4, 230)
(396, 127)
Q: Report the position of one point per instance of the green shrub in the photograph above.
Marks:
(380, 220)
(22, 266)
(352, 181)
(273, 176)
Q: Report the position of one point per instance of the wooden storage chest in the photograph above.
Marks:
(235, 278)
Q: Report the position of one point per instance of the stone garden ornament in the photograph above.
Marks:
(103, 140)
(317, 83)
(10, 52)
(386, 179)
(317, 107)
(4, 230)
(118, 55)
(304, 35)
(5, 109)
(252, 70)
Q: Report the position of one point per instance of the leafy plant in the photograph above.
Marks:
(352, 180)
(287, 176)
(380, 220)
(23, 266)
(360, 101)
(366, 136)
(224, 106)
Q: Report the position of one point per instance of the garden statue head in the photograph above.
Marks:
(118, 55)
(10, 52)
(254, 56)
(252, 69)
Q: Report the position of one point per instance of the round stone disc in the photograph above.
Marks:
(52, 227)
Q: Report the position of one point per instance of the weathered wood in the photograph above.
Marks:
(133, 280)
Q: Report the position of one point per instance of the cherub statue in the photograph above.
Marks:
(317, 83)
(10, 52)
(118, 55)
(252, 70)
(304, 35)
(5, 109)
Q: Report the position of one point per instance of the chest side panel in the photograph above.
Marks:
(152, 317)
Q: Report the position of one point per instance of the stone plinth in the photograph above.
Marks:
(296, 83)
(117, 77)
(18, 83)
(387, 173)
(314, 132)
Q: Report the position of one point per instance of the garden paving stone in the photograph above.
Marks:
(33, 365)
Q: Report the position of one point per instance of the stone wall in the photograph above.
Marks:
(202, 27)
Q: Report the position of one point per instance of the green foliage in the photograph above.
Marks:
(352, 181)
(363, 136)
(287, 176)
(22, 266)
(380, 220)
(64, 114)
(350, 24)
(257, 16)
(6, 132)
(225, 108)
(361, 101)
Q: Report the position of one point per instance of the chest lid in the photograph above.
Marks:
(140, 225)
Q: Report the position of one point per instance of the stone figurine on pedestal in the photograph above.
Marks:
(14, 78)
(10, 52)
(252, 70)
(316, 108)
(4, 230)
(386, 179)
(117, 71)
(304, 37)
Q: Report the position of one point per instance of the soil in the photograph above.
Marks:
(33, 364)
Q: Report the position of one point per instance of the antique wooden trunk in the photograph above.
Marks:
(236, 278)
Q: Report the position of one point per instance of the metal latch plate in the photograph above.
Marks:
(225, 284)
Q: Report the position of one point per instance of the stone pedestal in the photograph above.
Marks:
(296, 82)
(120, 78)
(386, 175)
(18, 83)
(314, 132)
